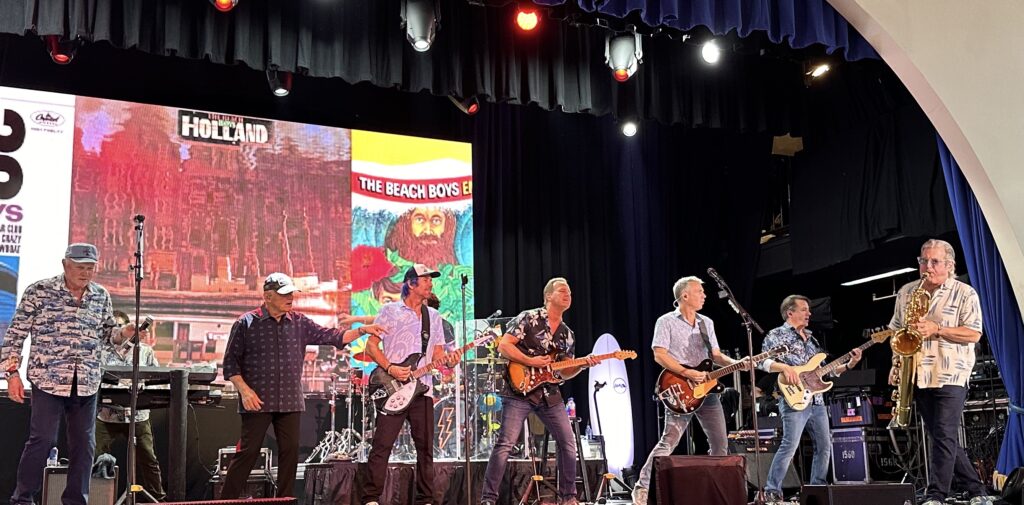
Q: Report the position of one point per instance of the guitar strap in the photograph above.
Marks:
(424, 328)
(704, 334)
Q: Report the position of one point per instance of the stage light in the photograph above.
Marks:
(819, 70)
(280, 82)
(419, 18)
(61, 52)
(711, 52)
(623, 54)
(629, 127)
(469, 106)
(527, 19)
(224, 5)
(879, 276)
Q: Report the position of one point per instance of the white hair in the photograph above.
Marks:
(683, 283)
(935, 243)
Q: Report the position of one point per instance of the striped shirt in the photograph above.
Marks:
(941, 362)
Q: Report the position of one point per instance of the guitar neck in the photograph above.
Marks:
(570, 363)
(831, 367)
(726, 370)
(434, 365)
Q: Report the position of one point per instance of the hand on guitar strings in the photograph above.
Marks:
(695, 375)
(399, 372)
(591, 361)
(538, 361)
(789, 375)
(453, 359)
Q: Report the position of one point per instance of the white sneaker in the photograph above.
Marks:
(372, 503)
(639, 495)
(983, 500)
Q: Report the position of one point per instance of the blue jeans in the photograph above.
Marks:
(948, 465)
(712, 420)
(815, 419)
(47, 409)
(513, 413)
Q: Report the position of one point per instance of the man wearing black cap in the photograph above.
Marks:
(263, 360)
(406, 327)
(70, 318)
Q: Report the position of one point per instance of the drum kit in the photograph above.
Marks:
(340, 381)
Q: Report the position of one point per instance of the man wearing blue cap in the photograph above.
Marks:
(70, 319)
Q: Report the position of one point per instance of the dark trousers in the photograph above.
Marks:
(254, 427)
(948, 466)
(147, 468)
(47, 409)
(421, 423)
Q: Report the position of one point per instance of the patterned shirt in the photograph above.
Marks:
(66, 336)
(268, 354)
(403, 325)
(109, 356)
(536, 339)
(941, 362)
(800, 351)
(683, 340)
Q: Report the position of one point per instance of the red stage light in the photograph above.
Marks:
(225, 5)
(621, 75)
(527, 20)
(472, 109)
(60, 52)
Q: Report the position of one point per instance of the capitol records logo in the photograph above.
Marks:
(48, 118)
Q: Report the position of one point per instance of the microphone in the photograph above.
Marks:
(598, 385)
(494, 315)
(465, 279)
(139, 218)
(129, 342)
(146, 323)
(714, 275)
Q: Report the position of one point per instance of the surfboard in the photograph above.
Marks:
(613, 403)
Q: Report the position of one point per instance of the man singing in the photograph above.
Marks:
(263, 360)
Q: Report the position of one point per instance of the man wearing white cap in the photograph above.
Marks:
(69, 318)
(263, 360)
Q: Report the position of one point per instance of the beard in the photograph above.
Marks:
(430, 250)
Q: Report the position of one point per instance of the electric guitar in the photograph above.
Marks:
(391, 396)
(812, 377)
(524, 379)
(683, 396)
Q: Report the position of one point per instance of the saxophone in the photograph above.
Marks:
(905, 343)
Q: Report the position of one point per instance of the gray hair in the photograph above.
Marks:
(935, 243)
(683, 283)
(550, 286)
(789, 304)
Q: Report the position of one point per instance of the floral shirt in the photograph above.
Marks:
(537, 339)
(800, 351)
(403, 339)
(67, 336)
(114, 413)
(941, 362)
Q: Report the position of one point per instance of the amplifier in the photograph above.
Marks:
(865, 454)
(742, 442)
(256, 486)
(55, 479)
(857, 410)
(225, 455)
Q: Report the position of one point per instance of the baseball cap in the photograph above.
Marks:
(279, 282)
(81, 252)
(420, 270)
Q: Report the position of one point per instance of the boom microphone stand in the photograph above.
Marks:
(749, 324)
(467, 440)
(133, 487)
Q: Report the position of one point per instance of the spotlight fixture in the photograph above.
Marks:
(623, 54)
(280, 82)
(711, 52)
(61, 51)
(819, 70)
(420, 20)
(224, 5)
(527, 19)
(629, 127)
(469, 106)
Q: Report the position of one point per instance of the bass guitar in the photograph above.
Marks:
(391, 396)
(683, 396)
(812, 377)
(524, 379)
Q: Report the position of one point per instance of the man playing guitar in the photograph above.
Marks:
(802, 346)
(536, 338)
(684, 337)
(404, 322)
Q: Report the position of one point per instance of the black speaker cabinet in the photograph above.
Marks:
(55, 479)
(858, 494)
(790, 481)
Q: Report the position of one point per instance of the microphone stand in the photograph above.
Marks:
(749, 324)
(133, 487)
(467, 439)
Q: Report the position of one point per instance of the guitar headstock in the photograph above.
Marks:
(778, 351)
(624, 355)
(879, 334)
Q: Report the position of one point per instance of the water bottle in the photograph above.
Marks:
(52, 460)
(570, 407)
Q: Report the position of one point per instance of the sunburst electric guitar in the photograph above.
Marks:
(524, 379)
(683, 396)
(812, 377)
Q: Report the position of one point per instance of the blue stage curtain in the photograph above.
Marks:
(1003, 326)
(799, 23)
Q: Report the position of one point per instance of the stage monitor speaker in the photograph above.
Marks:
(790, 481)
(858, 494)
(256, 486)
(249, 501)
(699, 480)
(55, 479)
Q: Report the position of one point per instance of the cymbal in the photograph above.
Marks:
(488, 361)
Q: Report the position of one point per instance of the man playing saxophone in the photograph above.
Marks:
(950, 326)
